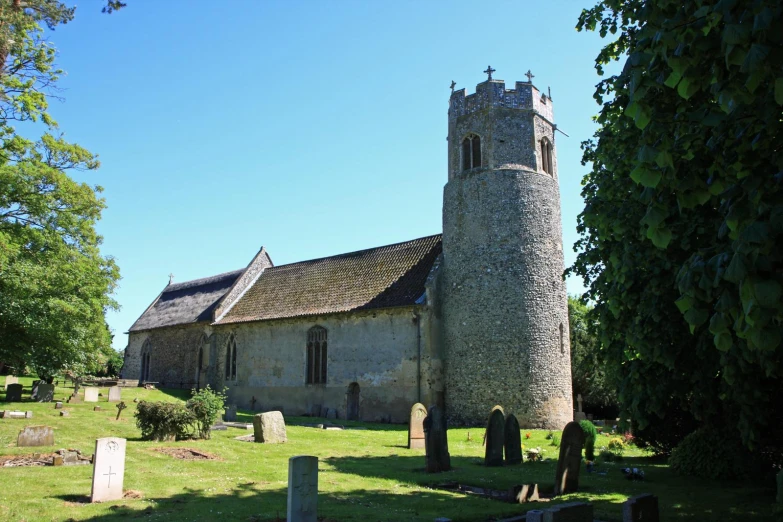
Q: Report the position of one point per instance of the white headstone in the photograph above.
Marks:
(115, 394)
(108, 469)
(302, 489)
(10, 379)
(90, 394)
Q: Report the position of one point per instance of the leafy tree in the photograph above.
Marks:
(55, 286)
(684, 209)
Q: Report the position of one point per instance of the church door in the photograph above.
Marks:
(353, 402)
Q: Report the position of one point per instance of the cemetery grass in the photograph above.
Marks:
(364, 474)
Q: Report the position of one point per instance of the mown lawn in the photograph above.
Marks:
(366, 474)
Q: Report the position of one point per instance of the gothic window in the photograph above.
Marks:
(145, 361)
(231, 359)
(471, 152)
(546, 156)
(316, 355)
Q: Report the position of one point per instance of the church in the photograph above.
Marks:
(467, 319)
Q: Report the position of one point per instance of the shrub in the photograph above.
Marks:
(163, 420)
(616, 444)
(206, 405)
(555, 440)
(590, 435)
(709, 453)
(609, 456)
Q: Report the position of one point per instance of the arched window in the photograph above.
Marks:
(546, 156)
(231, 359)
(562, 338)
(145, 361)
(316, 355)
(471, 152)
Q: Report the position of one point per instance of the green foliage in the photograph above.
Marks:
(206, 406)
(607, 455)
(616, 444)
(555, 440)
(709, 453)
(590, 435)
(161, 421)
(684, 210)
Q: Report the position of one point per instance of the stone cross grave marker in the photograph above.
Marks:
(35, 436)
(303, 489)
(108, 469)
(579, 401)
(121, 406)
(10, 379)
(493, 455)
(90, 394)
(513, 440)
(14, 393)
(269, 427)
(436, 441)
(642, 508)
(567, 474)
(115, 394)
(416, 426)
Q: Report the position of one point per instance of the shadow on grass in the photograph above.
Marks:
(177, 393)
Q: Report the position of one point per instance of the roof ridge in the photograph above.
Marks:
(201, 280)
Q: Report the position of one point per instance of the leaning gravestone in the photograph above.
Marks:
(108, 469)
(90, 394)
(44, 392)
(9, 380)
(231, 413)
(35, 436)
(416, 426)
(269, 427)
(567, 474)
(302, 489)
(115, 394)
(513, 440)
(493, 455)
(436, 442)
(14, 393)
(642, 508)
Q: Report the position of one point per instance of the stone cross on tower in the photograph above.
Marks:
(453, 84)
(530, 76)
(171, 278)
(489, 72)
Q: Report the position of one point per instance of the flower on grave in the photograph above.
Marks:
(528, 435)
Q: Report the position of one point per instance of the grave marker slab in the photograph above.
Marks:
(230, 414)
(436, 442)
(302, 489)
(14, 393)
(493, 454)
(567, 474)
(108, 470)
(269, 427)
(43, 392)
(9, 380)
(115, 394)
(572, 512)
(35, 436)
(90, 394)
(58, 405)
(642, 508)
(64, 413)
(513, 440)
(416, 426)
(331, 414)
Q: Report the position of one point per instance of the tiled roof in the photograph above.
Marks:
(383, 277)
(185, 303)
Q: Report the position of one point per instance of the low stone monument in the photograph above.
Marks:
(64, 413)
(493, 454)
(10, 379)
(35, 436)
(108, 470)
(416, 426)
(302, 489)
(567, 474)
(513, 440)
(115, 394)
(43, 392)
(8, 414)
(58, 405)
(14, 393)
(231, 413)
(642, 508)
(572, 512)
(269, 427)
(90, 394)
(436, 442)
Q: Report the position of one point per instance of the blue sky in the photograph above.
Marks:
(312, 128)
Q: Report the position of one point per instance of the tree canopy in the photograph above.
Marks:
(684, 209)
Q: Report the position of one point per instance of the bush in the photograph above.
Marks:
(206, 405)
(709, 453)
(555, 440)
(663, 433)
(616, 444)
(590, 435)
(163, 420)
(609, 456)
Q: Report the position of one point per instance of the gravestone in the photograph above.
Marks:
(43, 392)
(331, 414)
(642, 508)
(567, 474)
(493, 454)
(58, 405)
(74, 399)
(269, 427)
(108, 469)
(115, 394)
(14, 393)
(302, 489)
(35, 436)
(231, 413)
(416, 426)
(64, 413)
(572, 512)
(513, 440)
(315, 410)
(436, 442)
(9, 380)
(90, 394)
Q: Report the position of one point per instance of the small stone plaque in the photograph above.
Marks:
(13, 393)
(65, 413)
(303, 489)
(416, 426)
(58, 405)
(35, 436)
(90, 394)
(96, 408)
(108, 470)
(115, 394)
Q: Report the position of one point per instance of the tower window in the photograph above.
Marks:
(471, 152)
(316, 355)
(546, 156)
(231, 359)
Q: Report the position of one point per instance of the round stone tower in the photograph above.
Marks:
(504, 304)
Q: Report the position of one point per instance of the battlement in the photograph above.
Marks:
(493, 93)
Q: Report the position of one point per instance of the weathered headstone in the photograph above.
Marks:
(493, 454)
(416, 426)
(64, 413)
(567, 474)
(9, 380)
(269, 427)
(115, 394)
(572, 512)
(58, 405)
(436, 442)
(90, 394)
(642, 508)
(35, 436)
(331, 414)
(44, 392)
(231, 413)
(302, 489)
(108, 469)
(513, 440)
(74, 399)
(97, 408)
(14, 393)
(579, 403)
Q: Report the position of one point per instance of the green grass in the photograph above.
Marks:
(364, 475)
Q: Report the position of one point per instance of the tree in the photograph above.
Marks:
(55, 286)
(684, 209)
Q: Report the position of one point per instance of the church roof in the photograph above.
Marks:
(185, 303)
(382, 277)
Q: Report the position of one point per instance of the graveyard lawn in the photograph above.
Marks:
(364, 474)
